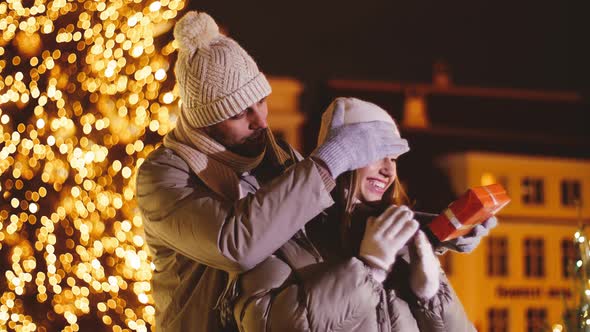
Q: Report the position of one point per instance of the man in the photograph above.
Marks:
(218, 197)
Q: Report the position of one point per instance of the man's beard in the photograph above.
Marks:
(252, 146)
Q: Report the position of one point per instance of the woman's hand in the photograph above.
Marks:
(468, 242)
(424, 268)
(385, 236)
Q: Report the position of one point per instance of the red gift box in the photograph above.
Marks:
(469, 210)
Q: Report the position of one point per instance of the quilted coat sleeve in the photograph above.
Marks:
(320, 297)
(444, 312)
(184, 216)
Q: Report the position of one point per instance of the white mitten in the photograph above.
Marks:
(385, 236)
(424, 268)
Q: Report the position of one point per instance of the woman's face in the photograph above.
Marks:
(375, 179)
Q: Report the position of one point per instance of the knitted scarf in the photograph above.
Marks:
(216, 166)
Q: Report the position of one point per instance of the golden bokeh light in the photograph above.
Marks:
(86, 93)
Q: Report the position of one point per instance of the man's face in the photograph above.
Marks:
(243, 133)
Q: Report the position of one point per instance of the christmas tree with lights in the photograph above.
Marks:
(86, 92)
(577, 315)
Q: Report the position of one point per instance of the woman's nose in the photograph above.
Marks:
(387, 167)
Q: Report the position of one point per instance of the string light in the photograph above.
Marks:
(85, 96)
(578, 311)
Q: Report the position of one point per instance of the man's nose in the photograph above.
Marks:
(258, 119)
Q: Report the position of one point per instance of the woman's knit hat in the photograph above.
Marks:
(355, 111)
(216, 77)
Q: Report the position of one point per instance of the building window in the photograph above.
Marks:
(536, 319)
(534, 249)
(571, 192)
(498, 320)
(497, 256)
(533, 191)
(569, 256)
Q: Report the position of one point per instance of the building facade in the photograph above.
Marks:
(285, 117)
(519, 276)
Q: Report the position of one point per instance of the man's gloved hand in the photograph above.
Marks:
(424, 267)
(351, 146)
(467, 243)
(385, 236)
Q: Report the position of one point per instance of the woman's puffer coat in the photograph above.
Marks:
(310, 284)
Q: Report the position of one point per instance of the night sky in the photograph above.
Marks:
(519, 44)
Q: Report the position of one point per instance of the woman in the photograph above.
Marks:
(351, 271)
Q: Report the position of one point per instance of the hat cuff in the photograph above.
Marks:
(232, 104)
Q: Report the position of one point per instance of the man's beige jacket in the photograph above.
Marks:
(199, 240)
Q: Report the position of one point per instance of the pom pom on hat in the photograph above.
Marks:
(195, 30)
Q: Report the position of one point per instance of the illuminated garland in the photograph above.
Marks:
(577, 317)
(85, 92)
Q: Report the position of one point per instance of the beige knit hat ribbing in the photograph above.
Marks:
(216, 77)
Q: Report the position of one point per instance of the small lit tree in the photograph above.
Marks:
(576, 316)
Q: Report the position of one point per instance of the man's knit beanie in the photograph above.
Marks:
(355, 111)
(216, 77)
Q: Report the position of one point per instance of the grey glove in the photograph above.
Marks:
(467, 243)
(351, 146)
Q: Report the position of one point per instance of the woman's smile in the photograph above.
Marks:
(375, 179)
